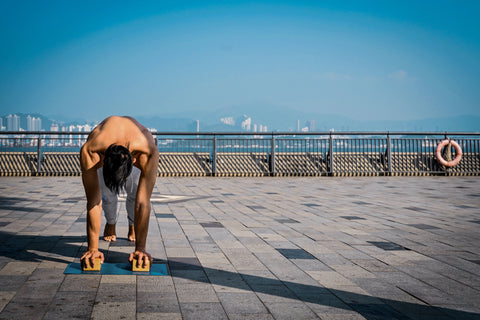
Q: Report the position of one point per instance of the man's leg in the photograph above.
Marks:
(109, 205)
(131, 189)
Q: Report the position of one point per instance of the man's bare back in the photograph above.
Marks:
(126, 132)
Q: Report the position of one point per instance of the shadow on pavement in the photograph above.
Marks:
(368, 306)
(53, 248)
(40, 248)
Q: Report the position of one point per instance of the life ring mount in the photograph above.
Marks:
(458, 153)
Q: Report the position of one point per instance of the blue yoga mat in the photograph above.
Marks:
(157, 269)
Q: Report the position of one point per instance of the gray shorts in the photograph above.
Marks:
(110, 199)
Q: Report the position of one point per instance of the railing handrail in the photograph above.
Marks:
(279, 133)
(325, 153)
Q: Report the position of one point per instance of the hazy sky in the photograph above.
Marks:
(362, 59)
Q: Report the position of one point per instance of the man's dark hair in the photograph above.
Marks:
(117, 166)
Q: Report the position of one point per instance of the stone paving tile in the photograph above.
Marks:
(226, 281)
(81, 282)
(29, 308)
(5, 297)
(290, 311)
(77, 305)
(116, 292)
(114, 310)
(242, 316)
(12, 283)
(241, 303)
(252, 248)
(159, 316)
(197, 292)
(203, 311)
(157, 302)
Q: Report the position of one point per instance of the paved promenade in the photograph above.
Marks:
(252, 248)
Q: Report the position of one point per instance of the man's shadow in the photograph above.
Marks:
(40, 248)
(65, 249)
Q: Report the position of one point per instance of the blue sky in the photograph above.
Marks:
(380, 60)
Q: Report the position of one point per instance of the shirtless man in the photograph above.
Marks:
(119, 154)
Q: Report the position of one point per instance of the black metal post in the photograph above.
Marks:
(272, 157)
(330, 152)
(214, 155)
(39, 154)
(389, 155)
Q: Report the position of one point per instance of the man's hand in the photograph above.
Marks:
(143, 258)
(89, 257)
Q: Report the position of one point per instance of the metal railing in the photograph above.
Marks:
(263, 154)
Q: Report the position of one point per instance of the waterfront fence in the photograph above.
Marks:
(259, 154)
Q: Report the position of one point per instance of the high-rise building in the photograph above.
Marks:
(247, 124)
(37, 124)
(34, 124)
(29, 123)
(13, 122)
(54, 127)
(1, 123)
(228, 121)
(311, 125)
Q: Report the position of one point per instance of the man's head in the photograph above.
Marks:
(117, 166)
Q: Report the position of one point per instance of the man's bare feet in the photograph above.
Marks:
(109, 233)
(131, 233)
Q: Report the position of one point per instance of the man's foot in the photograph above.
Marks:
(131, 233)
(109, 233)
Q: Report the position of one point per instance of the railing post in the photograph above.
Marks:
(389, 155)
(330, 152)
(214, 155)
(39, 154)
(272, 156)
(156, 146)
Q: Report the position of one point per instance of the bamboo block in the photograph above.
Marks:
(143, 269)
(96, 265)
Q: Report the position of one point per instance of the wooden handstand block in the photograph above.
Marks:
(96, 265)
(144, 269)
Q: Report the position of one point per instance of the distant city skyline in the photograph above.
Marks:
(22, 122)
(13, 122)
(254, 123)
(367, 60)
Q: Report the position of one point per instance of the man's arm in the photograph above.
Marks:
(143, 207)
(94, 211)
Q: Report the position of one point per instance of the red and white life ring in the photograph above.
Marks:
(458, 153)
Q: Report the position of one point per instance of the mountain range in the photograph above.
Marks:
(275, 119)
(285, 119)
